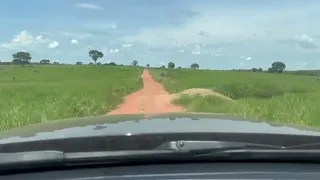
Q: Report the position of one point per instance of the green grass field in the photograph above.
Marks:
(280, 98)
(37, 94)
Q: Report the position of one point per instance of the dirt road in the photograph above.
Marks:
(151, 99)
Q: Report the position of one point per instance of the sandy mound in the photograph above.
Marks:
(198, 91)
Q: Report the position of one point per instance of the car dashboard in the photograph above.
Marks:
(226, 171)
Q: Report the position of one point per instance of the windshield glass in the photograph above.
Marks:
(256, 60)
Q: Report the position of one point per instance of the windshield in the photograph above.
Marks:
(244, 58)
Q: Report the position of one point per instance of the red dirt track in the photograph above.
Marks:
(151, 99)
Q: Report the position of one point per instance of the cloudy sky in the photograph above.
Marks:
(215, 34)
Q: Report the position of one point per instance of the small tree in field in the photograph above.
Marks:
(21, 58)
(278, 67)
(194, 66)
(171, 65)
(95, 55)
(45, 61)
(134, 63)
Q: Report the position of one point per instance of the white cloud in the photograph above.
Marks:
(248, 58)
(196, 52)
(74, 41)
(89, 6)
(76, 35)
(225, 29)
(25, 39)
(114, 50)
(306, 42)
(208, 35)
(53, 45)
(126, 45)
(214, 26)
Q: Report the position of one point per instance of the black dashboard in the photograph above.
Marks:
(226, 171)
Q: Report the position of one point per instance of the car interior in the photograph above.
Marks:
(219, 170)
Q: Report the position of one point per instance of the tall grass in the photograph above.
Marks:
(37, 94)
(280, 98)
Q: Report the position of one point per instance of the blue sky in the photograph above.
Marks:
(215, 34)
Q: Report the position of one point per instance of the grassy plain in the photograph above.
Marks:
(283, 98)
(36, 94)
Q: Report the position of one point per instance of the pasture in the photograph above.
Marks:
(283, 98)
(42, 93)
(36, 94)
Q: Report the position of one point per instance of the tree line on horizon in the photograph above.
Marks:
(24, 58)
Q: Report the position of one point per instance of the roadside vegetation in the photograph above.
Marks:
(44, 90)
(271, 95)
(38, 93)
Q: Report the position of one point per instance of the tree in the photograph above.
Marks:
(254, 70)
(179, 67)
(278, 66)
(45, 61)
(260, 70)
(134, 63)
(171, 65)
(99, 63)
(55, 63)
(148, 65)
(163, 66)
(194, 66)
(91, 63)
(79, 63)
(270, 70)
(16, 61)
(21, 58)
(110, 64)
(95, 55)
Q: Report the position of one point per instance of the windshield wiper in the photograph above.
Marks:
(212, 146)
(173, 150)
(226, 150)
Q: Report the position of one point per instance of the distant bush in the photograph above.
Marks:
(163, 74)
